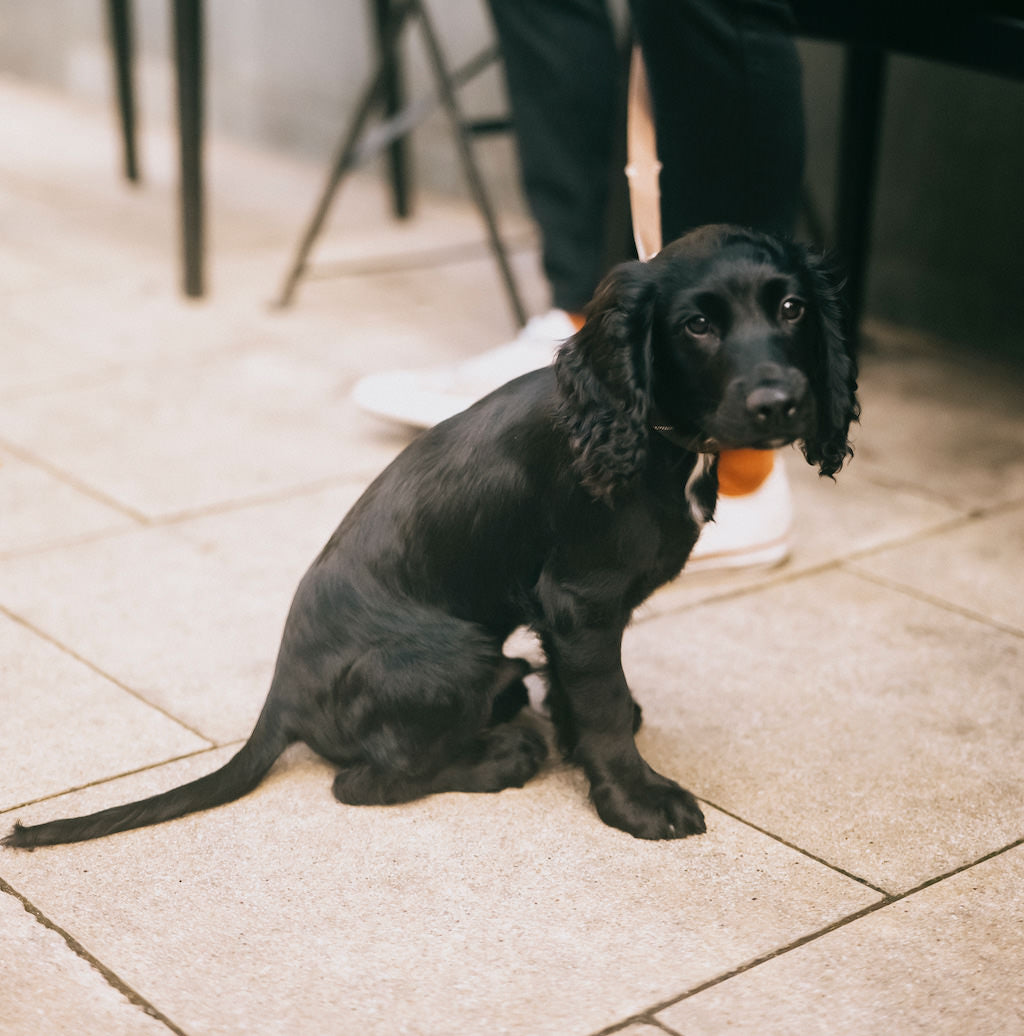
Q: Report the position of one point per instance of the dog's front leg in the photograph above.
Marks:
(594, 710)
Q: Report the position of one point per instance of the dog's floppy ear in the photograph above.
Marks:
(604, 376)
(833, 369)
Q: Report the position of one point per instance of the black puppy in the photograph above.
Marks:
(559, 502)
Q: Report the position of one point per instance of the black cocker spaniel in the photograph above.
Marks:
(558, 502)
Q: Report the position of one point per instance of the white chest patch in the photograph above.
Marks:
(702, 488)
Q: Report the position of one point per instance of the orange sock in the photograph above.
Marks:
(742, 471)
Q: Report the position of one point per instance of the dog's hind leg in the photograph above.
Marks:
(510, 693)
(500, 757)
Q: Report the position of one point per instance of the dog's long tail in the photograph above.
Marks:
(238, 776)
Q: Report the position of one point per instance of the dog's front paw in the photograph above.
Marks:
(652, 807)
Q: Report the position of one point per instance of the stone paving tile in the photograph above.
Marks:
(857, 722)
(831, 520)
(41, 509)
(65, 725)
(48, 988)
(874, 730)
(936, 421)
(74, 337)
(18, 273)
(946, 960)
(86, 223)
(236, 426)
(514, 913)
(975, 567)
(188, 616)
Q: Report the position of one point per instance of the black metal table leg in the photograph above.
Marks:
(188, 56)
(120, 25)
(860, 132)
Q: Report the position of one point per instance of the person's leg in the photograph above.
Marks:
(725, 82)
(562, 74)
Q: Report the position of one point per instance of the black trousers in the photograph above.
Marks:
(726, 89)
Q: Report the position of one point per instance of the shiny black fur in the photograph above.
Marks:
(559, 502)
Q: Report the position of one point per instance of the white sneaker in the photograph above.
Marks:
(750, 530)
(423, 398)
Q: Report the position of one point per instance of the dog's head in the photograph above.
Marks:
(726, 339)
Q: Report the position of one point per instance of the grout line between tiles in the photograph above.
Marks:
(109, 976)
(68, 479)
(119, 776)
(796, 848)
(923, 492)
(937, 602)
(70, 542)
(651, 1022)
(521, 243)
(272, 497)
(103, 375)
(178, 518)
(24, 623)
(647, 1015)
(783, 574)
(966, 517)
(98, 377)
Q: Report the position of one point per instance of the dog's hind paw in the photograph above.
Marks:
(514, 754)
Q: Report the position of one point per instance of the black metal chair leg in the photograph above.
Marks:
(344, 161)
(469, 166)
(188, 53)
(357, 147)
(119, 19)
(399, 160)
(863, 91)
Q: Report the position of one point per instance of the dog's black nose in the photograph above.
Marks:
(773, 407)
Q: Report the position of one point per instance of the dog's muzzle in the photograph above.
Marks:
(774, 409)
(770, 409)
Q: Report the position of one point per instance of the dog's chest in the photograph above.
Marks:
(681, 510)
(701, 488)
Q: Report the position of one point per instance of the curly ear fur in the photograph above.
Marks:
(604, 374)
(834, 372)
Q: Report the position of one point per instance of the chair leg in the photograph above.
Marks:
(188, 54)
(345, 159)
(394, 101)
(355, 149)
(863, 94)
(470, 169)
(119, 19)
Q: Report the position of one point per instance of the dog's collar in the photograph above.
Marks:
(692, 443)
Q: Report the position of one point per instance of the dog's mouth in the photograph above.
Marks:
(703, 443)
(711, 444)
(775, 443)
(721, 435)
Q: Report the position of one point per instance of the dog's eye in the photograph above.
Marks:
(698, 326)
(791, 310)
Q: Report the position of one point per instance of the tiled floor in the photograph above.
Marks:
(853, 721)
